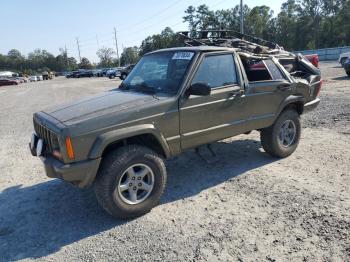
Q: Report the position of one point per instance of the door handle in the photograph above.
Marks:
(236, 94)
(284, 87)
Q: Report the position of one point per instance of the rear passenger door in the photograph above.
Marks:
(268, 85)
(204, 119)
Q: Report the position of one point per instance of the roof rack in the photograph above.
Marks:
(230, 38)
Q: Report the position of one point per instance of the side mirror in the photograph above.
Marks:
(199, 89)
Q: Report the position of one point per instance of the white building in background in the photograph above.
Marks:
(7, 73)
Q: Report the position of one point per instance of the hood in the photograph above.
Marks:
(102, 104)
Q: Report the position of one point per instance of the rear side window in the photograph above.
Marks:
(275, 73)
(261, 70)
(216, 71)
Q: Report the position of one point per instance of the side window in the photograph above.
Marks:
(276, 74)
(261, 70)
(216, 71)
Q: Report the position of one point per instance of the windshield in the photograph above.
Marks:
(159, 73)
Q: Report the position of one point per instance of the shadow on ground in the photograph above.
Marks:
(345, 77)
(39, 220)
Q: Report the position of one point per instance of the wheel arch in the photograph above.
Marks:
(146, 135)
(292, 102)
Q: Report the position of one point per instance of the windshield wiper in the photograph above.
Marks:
(143, 87)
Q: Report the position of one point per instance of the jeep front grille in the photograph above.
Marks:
(49, 137)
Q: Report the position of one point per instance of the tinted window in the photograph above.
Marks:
(216, 71)
(276, 74)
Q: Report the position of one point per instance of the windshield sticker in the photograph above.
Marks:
(183, 55)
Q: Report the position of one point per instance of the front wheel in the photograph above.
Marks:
(123, 76)
(282, 138)
(130, 182)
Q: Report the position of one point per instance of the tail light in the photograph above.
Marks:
(319, 88)
(315, 61)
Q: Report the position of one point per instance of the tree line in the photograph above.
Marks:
(301, 24)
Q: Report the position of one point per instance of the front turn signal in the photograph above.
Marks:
(69, 147)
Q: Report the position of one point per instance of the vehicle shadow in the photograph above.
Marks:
(342, 78)
(39, 220)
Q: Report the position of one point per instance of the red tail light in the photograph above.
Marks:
(319, 88)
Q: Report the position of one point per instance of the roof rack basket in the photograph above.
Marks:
(229, 38)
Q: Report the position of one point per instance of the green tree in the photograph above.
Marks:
(85, 63)
(167, 38)
(105, 54)
(129, 56)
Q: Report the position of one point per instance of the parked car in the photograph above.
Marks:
(20, 80)
(33, 78)
(40, 77)
(117, 141)
(347, 66)
(342, 58)
(124, 73)
(24, 79)
(313, 58)
(84, 73)
(104, 71)
(97, 72)
(8, 82)
(112, 73)
(71, 74)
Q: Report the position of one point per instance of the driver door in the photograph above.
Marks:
(205, 119)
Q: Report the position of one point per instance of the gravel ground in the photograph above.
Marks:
(245, 207)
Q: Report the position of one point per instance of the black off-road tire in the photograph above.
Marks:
(342, 61)
(122, 76)
(269, 136)
(113, 167)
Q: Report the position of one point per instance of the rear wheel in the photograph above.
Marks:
(282, 138)
(342, 61)
(130, 182)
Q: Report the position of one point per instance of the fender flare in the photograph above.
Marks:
(110, 137)
(290, 100)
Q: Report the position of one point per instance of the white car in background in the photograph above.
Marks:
(343, 57)
(33, 78)
(40, 78)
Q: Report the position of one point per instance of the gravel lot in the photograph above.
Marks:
(247, 206)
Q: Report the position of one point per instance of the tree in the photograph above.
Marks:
(105, 54)
(167, 38)
(85, 63)
(14, 54)
(129, 56)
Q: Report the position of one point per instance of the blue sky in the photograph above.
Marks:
(29, 24)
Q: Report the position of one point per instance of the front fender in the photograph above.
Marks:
(110, 137)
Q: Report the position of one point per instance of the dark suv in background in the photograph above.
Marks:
(125, 71)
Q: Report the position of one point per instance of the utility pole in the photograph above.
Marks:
(78, 49)
(98, 44)
(116, 45)
(66, 53)
(241, 16)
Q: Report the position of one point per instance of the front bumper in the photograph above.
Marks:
(311, 105)
(81, 173)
